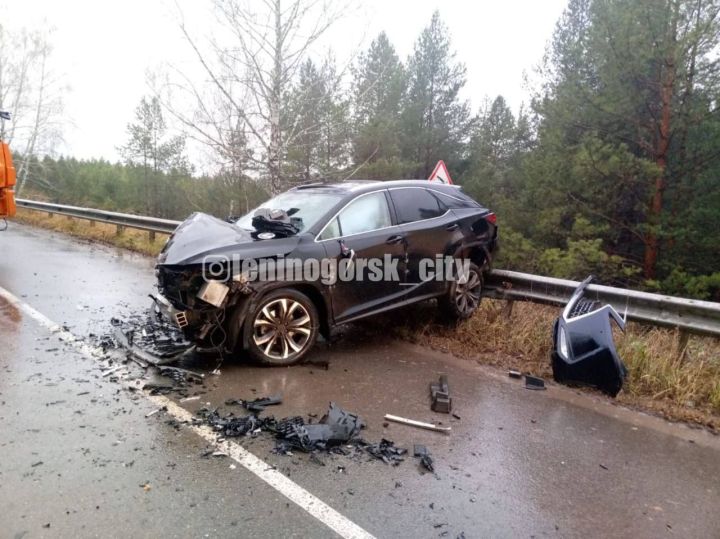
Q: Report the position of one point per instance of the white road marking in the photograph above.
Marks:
(284, 485)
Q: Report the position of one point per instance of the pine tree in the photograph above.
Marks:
(379, 83)
(154, 153)
(436, 122)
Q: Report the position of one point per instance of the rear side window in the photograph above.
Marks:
(414, 204)
(457, 200)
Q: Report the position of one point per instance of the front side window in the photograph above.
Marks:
(364, 214)
(415, 205)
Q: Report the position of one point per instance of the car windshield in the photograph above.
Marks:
(307, 206)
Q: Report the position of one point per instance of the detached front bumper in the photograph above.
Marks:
(584, 350)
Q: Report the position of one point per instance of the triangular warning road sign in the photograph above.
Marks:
(440, 174)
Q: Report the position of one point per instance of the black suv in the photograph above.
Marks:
(227, 284)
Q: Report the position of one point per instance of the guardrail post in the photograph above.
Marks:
(682, 342)
(507, 310)
(50, 214)
(92, 223)
(119, 230)
(151, 235)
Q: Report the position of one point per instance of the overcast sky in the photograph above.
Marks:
(104, 48)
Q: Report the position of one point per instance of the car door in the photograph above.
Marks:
(430, 231)
(363, 231)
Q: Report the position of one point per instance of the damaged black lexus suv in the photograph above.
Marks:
(211, 284)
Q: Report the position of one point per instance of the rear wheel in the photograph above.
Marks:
(464, 294)
(284, 327)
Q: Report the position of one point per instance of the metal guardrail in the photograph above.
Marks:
(690, 315)
(686, 314)
(151, 224)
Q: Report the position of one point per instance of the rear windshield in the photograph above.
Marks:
(306, 206)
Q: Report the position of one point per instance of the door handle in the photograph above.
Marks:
(397, 238)
(452, 227)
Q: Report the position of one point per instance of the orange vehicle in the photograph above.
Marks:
(7, 179)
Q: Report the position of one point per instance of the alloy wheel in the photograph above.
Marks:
(467, 292)
(282, 328)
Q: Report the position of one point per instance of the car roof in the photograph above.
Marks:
(359, 186)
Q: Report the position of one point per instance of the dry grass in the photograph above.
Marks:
(131, 239)
(680, 386)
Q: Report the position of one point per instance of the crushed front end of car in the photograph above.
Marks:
(198, 282)
(584, 351)
(198, 305)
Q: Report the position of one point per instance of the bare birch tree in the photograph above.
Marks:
(248, 78)
(32, 94)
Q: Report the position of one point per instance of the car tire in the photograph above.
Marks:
(283, 328)
(463, 296)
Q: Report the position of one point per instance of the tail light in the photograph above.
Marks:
(491, 218)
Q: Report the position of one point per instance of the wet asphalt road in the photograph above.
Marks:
(78, 457)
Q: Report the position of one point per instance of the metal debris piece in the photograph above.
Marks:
(335, 428)
(188, 399)
(514, 374)
(440, 395)
(414, 423)
(385, 450)
(533, 382)
(423, 454)
(259, 404)
(150, 414)
(111, 371)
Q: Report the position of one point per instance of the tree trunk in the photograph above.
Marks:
(274, 108)
(667, 85)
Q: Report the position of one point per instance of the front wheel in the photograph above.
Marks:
(284, 327)
(463, 295)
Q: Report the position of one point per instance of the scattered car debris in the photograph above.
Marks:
(157, 410)
(423, 454)
(189, 399)
(333, 429)
(440, 395)
(414, 423)
(385, 450)
(533, 382)
(514, 374)
(256, 405)
(149, 338)
(111, 371)
(231, 426)
(320, 363)
(584, 350)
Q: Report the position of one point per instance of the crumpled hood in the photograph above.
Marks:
(202, 237)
